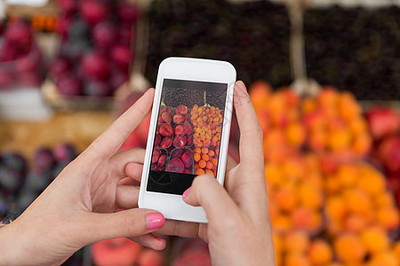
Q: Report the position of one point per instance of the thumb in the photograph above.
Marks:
(208, 193)
(127, 223)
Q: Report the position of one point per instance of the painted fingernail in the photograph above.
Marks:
(184, 195)
(154, 221)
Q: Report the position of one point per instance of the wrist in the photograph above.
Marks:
(9, 245)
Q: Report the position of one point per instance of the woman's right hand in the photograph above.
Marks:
(239, 229)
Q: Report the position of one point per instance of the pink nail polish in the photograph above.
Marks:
(184, 195)
(154, 221)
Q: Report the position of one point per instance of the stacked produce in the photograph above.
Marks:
(21, 184)
(20, 57)
(236, 32)
(96, 49)
(328, 204)
(384, 124)
(207, 123)
(365, 61)
(187, 139)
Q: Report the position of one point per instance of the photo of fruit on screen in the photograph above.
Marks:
(188, 134)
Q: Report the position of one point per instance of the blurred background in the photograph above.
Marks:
(323, 75)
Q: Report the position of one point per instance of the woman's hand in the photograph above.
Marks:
(239, 229)
(78, 208)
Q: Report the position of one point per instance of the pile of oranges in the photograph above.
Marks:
(206, 160)
(295, 188)
(328, 205)
(331, 122)
(207, 126)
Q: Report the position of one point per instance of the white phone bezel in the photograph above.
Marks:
(204, 70)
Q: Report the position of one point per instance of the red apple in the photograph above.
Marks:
(166, 117)
(104, 35)
(121, 56)
(383, 121)
(28, 61)
(59, 66)
(126, 12)
(179, 130)
(162, 160)
(389, 154)
(187, 128)
(68, 6)
(178, 118)
(166, 142)
(8, 51)
(166, 130)
(63, 25)
(179, 141)
(95, 65)
(19, 34)
(69, 85)
(94, 11)
(181, 109)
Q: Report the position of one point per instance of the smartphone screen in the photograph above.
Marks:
(188, 134)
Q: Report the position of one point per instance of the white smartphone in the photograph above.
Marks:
(189, 133)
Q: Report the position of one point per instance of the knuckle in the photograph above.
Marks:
(128, 226)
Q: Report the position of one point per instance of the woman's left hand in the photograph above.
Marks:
(78, 207)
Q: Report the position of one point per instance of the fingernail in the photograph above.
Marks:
(154, 221)
(184, 195)
(241, 85)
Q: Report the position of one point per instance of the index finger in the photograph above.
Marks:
(251, 136)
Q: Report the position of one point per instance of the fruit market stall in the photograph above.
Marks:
(321, 74)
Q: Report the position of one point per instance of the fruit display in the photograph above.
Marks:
(187, 139)
(20, 184)
(328, 204)
(329, 123)
(20, 57)
(296, 191)
(365, 61)
(96, 48)
(22, 181)
(207, 124)
(236, 32)
(384, 124)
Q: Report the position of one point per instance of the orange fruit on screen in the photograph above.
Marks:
(196, 157)
(200, 171)
(202, 164)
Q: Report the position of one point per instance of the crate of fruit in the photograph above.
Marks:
(20, 57)
(96, 53)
